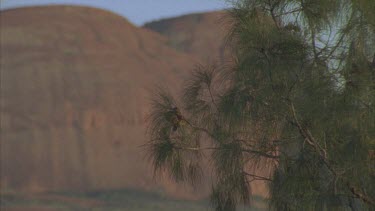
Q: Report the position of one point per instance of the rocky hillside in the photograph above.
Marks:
(75, 86)
(202, 35)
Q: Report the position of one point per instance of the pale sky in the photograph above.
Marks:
(136, 11)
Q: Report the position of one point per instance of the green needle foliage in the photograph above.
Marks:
(298, 99)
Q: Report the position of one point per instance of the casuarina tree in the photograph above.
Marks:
(297, 98)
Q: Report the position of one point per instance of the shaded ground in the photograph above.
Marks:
(106, 200)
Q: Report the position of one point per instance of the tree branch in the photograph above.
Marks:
(312, 142)
(307, 134)
(360, 195)
(257, 177)
(261, 153)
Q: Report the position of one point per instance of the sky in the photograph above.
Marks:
(136, 11)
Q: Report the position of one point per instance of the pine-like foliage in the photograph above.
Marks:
(298, 99)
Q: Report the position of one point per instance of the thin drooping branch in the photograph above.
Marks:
(307, 134)
(314, 45)
(261, 153)
(212, 97)
(289, 12)
(360, 195)
(207, 132)
(204, 130)
(309, 138)
(257, 177)
(195, 148)
(272, 12)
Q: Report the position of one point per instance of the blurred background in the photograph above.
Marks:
(76, 78)
(137, 12)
